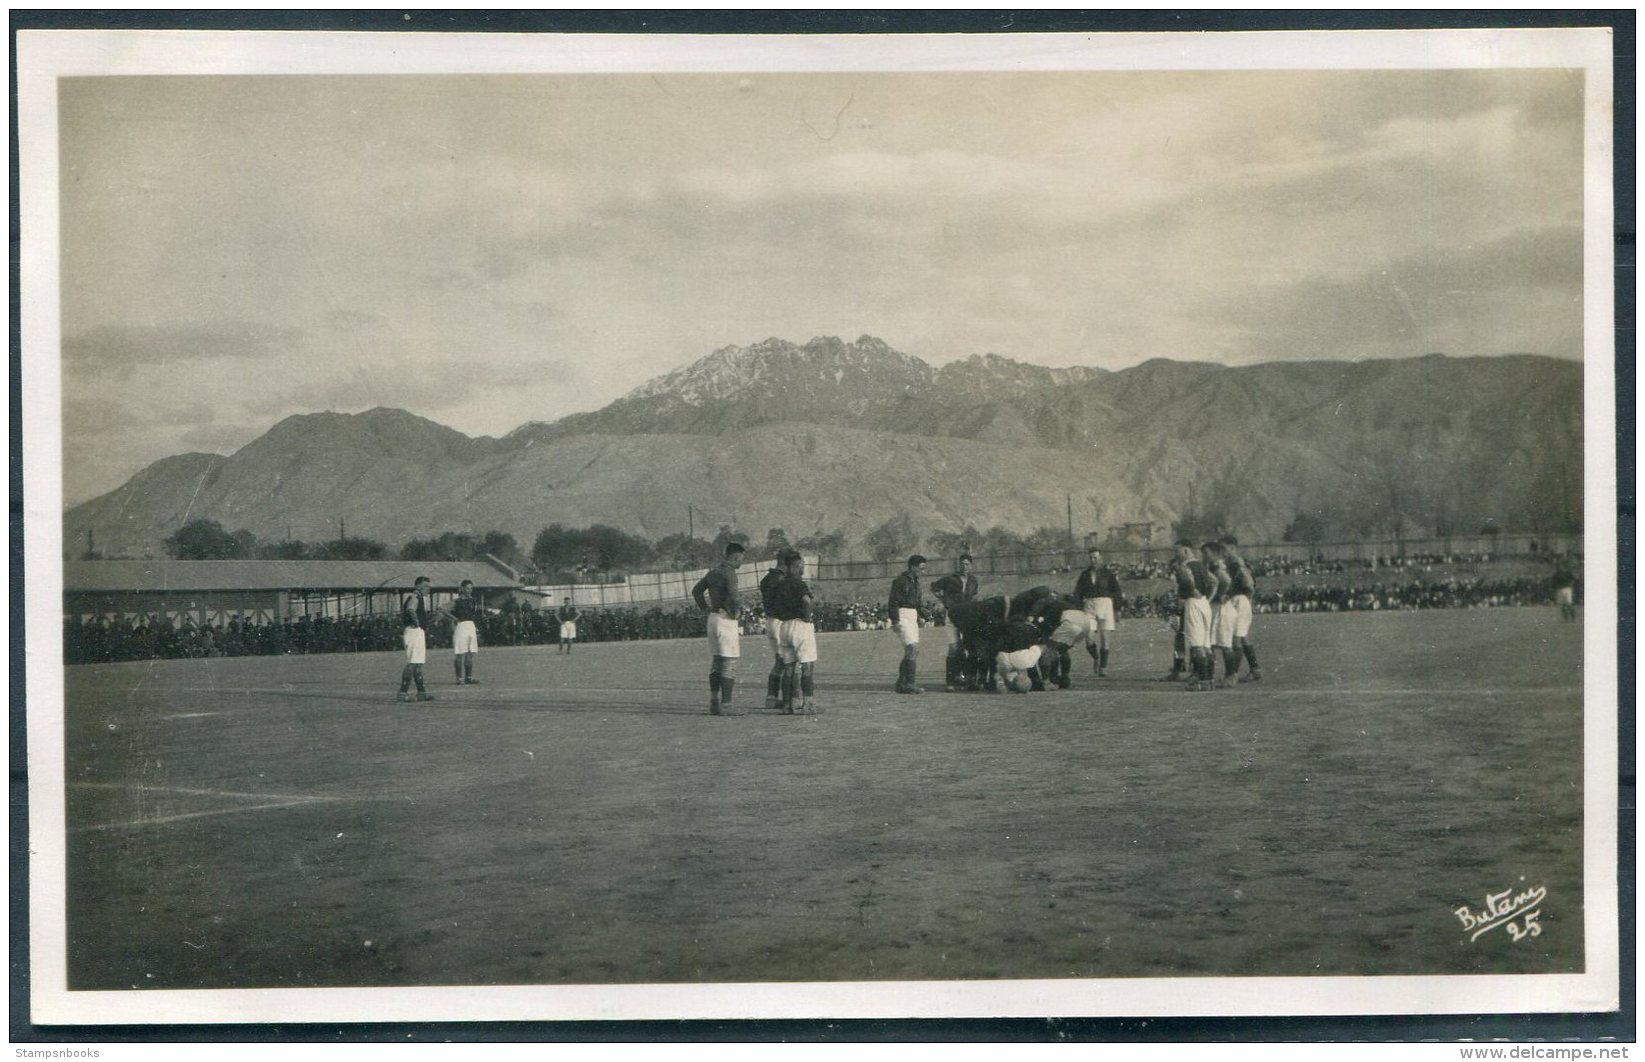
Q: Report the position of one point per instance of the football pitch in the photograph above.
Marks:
(263, 822)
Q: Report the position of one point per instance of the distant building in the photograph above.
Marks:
(1124, 536)
(210, 592)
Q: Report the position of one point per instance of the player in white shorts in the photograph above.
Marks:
(465, 637)
(1015, 668)
(1243, 589)
(768, 602)
(797, 639)
(1098, 589)
(1073, 626)
(1224, 613)
(716, 594)
(568, 615)
(416, 610)
(903, 607)
(1194, 585)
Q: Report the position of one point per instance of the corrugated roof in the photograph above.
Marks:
(105, 576)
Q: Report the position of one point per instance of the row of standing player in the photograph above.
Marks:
(790, 629)
(417, 611)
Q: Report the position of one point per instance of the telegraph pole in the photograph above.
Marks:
(690, 522)
(1070, 523)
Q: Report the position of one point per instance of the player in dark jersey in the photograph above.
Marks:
(1222, 612)
(903, 606)
(798, 639)
(716, 594)
(954, 589)
(416, 611)
(1098, 588)
(1243, 589)
(1194, 587)
(567, 614)
(1064, 623)
(465, 636)
(1564, 587)
(769, 585)
(980, 625)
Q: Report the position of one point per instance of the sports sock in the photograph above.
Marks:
(468, 665)
(1230, 663)
(727, 684)
(808, 685)
(774, 681)
(417, 677)
(405, 678)
(1251, 654)
(457, 662)
(1102, 660)
(714, 680)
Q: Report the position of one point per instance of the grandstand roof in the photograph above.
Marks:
(106, 576)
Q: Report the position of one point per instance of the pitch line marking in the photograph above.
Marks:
(141, 788)
(271, 801)
(162, 819)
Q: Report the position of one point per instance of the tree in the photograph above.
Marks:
(954, 543)
(1048, 539)
(207, 540)
(683, 552)
(776, 540)
(998, 541)
(892, 539)
(352, 548)
(286, 549)
(1200, 526)
(726, 536)
(831, 544)
(1305, 527)
(501, 544)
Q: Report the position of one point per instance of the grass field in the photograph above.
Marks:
(283, 821)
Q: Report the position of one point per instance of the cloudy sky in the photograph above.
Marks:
(488, 250)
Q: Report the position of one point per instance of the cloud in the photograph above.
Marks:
(117, 350)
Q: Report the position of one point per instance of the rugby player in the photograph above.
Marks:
(568, 625)
(903, 607)
(416, 609)
(1098, 588)
(954, 589)
(768, 601)
(465, 638)
(1244, 588)
(1068, 623)
(716, 595)
(1564, 583)
(979, 626)
(1222, 614)
(798, 639)
(1194, 584)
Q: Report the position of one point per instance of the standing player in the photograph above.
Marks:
(1194, 584)
(904, 609)
(1098, 588)
(769, 603)
(465, 639)
(416, 609)
(955, 589)
(1564, 582)
(568, 614)
(716, 595)
(1244, 588)
(798, 639)
(1222, 613)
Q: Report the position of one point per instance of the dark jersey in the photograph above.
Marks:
(1018, 634)
(793, 600)
(1564, 578)
(568, 614)
(1097, 582)
(905, 593)
(717, 591)
(955, 588)
(1052, 608)
(464, 608)
(414, 611)
(979, 617)
(1189, 585)
(1220, 582)
(768, 587)
(1243, 581)
(1025, 603)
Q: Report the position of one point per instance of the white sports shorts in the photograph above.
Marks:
(1224, 615)
(1242, 616)
(568, 630)
(773, 634)
(1008, 664)
(1196, 623)
(416, 643)
(908, 625)
(724, 639)
(798, 639)
(1565, 595)
(1101, 609)
(1076, 623)
(466, 638)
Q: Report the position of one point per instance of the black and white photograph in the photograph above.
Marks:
(613, 527)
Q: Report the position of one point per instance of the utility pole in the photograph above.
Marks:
(1070, 523)
(690, 522)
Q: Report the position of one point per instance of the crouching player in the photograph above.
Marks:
(979, 626)
(716, 594)
(1019, 670)
(1068, 625)
(797, 639)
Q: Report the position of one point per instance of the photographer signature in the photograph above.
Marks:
(1516, 910)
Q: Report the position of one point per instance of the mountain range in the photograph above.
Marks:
(834, 435)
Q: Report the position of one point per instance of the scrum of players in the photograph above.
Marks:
(1025, 642)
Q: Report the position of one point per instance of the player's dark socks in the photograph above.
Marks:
(405, 678)
(1251, 655)
(808, 685)
(457, 665)
(727, 684)
(714, 681)
(1102, 660)
(468, 667)
(774, 681)
(417, 677)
